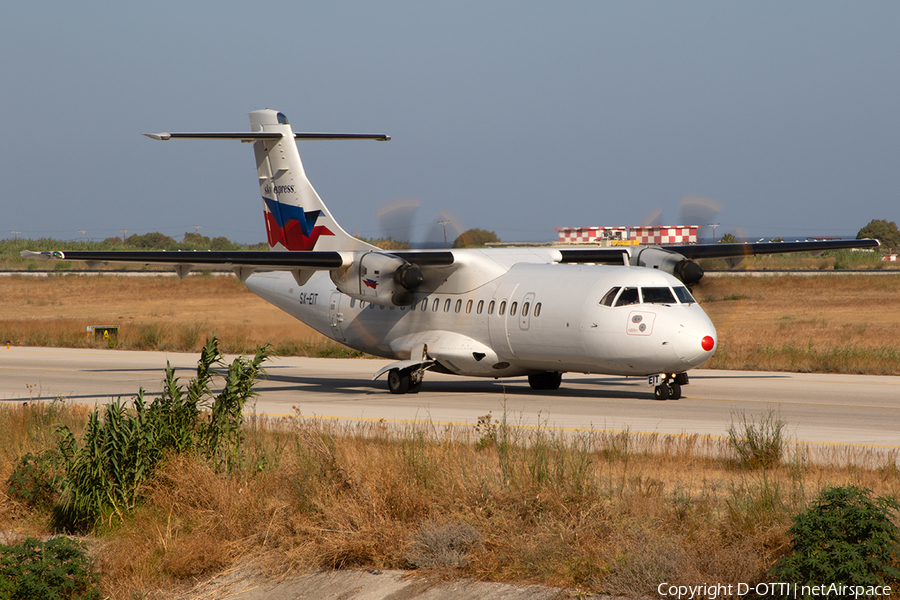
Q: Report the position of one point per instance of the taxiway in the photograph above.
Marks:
(821, 409)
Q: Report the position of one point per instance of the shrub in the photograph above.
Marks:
(35, 480)
(54, 570)
(104, 471)
(844, 537)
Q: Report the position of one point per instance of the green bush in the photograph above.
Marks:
(845, 537)
(54, 570)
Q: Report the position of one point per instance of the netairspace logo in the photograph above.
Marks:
(775, 590)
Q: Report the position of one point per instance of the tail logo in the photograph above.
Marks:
(292, 227)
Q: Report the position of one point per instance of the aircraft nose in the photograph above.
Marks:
(696, 340)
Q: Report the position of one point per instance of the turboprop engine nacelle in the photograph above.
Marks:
(673, 263)
(380, 279)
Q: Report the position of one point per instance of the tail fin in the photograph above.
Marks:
(296, 218)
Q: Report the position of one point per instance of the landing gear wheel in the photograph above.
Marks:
(398, 381)
(674, 391)
(661, 392)
(414, 388)
(549, 380)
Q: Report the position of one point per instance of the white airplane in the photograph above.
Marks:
(499, 312)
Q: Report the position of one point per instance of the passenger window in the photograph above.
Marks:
(468, 307)
(684, 295)
(412, 307)
(435, 304)
(627, 297)
(525, 309)
(513, 307)
(371, 306)
(657, 295)
(458, 305)
(381, 306)
(491, 308)
(608, 298)
(537, 309)
(480, 306)
(502, 308)
(447, 305)
(352, 302)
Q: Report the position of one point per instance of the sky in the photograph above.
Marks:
(511, 116)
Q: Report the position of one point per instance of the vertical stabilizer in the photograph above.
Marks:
(296, 218)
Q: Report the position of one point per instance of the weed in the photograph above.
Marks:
(757, 443)
(443, 545)
(486, 430)
(35, 480)
(640, 564)
(189, 336)
(150, 336)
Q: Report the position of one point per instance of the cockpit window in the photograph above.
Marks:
(282, 119)
(657, 295)
(608, 298)
(628, 296)
(684, 295)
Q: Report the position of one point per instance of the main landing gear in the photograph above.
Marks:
(405, 381)
(548, 380)
(670, 387)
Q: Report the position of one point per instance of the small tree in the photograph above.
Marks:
(728, 239)
(475, 238)
(151, 241)
(844, 537)
(884, 231)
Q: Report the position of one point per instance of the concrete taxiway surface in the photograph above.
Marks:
(817, 408)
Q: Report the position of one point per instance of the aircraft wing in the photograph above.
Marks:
(697, 251)
(268, 261)
(243, 263)
(262, 260)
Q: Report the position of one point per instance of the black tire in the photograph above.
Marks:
(549, 380)
(661, 392)
(674, 391)
(414, 389)
(398, 381)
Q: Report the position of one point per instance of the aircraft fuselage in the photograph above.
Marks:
(530, 317)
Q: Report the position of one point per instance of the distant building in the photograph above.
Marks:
(653, 235)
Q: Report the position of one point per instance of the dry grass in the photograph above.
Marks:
(836, 324)
(152, 313)
(607, 512)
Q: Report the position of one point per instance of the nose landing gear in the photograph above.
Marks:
(669, 387)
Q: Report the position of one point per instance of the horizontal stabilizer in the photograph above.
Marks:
(268, 135)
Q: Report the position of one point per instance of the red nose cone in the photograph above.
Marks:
(708, 343)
